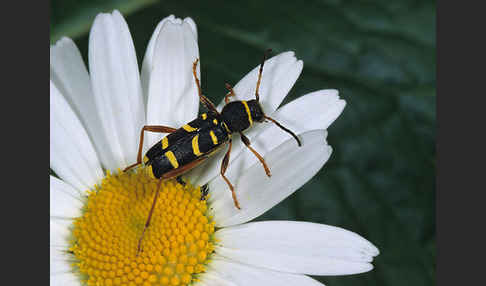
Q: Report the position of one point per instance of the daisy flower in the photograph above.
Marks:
(97, 212)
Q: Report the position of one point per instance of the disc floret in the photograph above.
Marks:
(175, 248)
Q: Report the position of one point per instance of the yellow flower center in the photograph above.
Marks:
(175, 247)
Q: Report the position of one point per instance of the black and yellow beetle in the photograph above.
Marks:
(185, 148)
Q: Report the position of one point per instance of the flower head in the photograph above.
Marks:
(98, 212)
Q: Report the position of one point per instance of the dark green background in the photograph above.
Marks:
(380, 55)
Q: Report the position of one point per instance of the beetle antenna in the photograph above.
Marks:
(265, 55)
(285, 129)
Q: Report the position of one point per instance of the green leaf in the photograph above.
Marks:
(380, 55)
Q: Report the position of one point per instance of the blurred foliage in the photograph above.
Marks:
(380, 55)
(74, 17)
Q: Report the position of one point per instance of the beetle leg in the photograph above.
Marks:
(147, 223)
(204, 192)
(231, 93)
(151, 128)
(181, 170)
(180, 180)
(204, 100)
(224, 166)
(246, 141)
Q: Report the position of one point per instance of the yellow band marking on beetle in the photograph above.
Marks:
(215, 122)
(150, 172)
(247, 111)
(189, 128)
(195, 146)
(145, 159)
(172, 159)
(204, 116)
(165, 143)
(226, 127)
(213, 137)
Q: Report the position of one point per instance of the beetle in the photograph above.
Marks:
(185, 148)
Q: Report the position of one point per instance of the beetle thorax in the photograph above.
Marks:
(240, 115)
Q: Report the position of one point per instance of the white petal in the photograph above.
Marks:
(297, 247)
(148, 59)
(60, 260)
(149, 53)
(69, 75)
(256, 192)
(65, 200)
(116, 85)
(279, 75)
(59, 231)
(243, 275)
(316, 110)
(72, 155)
(313, 111)
(213, 279)
(192, 24)
(173, 97)
(65, 279)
